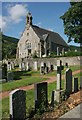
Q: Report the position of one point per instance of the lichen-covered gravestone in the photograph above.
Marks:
(17, 105)
(68, 82)
(41, 99)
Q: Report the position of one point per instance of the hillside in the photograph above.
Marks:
(73, 48)
(9, 45)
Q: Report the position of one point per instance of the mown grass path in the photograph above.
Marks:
(29, 87)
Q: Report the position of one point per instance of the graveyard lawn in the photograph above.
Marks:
(30, 98)
(20, 83)
(24, 78)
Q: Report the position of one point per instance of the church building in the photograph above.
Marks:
(39, 41)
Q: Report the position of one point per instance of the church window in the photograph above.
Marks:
(27, 34)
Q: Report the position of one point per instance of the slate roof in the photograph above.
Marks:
(53, 36)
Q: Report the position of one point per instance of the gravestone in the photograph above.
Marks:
(59, 69)
(17, 105)
(20, 66)
(75, 83)
(42, 68)
(80, 82)
(4, 71)
(35, 65)
(66, 64)
(27, 66)
(41, 97)
(68, 82)
(51, 67)
(10, 76)
(23, 66)
(9, 66)
(52, 98)
(58, 89)
(12, 65)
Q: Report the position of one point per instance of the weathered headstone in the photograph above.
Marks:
(41, 99)
(10, 76)
(68, 84)
(18, 105)
(75, 84)
(35, 65)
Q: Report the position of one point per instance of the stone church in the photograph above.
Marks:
(38, 41)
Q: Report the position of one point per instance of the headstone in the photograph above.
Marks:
(18, 105)
(80, 82)
(42, 68)
(10, 76)
(35, 65)
(52, 98)
(59, 69)
(55, 67)
(20, 66)
(49, 66)
(4, 71)
(75, 80)
(41, 97)
(68, 84)
(9, 66)
(52, 68)
(66, 64)
(12, 65)
(27, 66)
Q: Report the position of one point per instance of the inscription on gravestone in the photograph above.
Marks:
(41, 99)
(17, 105)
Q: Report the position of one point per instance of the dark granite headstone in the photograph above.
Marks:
(41, 98)
(17, 105)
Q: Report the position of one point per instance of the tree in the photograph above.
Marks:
(73, 22)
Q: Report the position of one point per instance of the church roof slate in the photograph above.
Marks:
(55, 37)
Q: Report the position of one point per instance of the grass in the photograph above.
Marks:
(19, 83)
(30, 97)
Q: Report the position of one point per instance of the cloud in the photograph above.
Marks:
(17, 12)
(3, 23)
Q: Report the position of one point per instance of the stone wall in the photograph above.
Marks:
(70, 60)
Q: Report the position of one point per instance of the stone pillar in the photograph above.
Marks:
(35, 65)
(57, 51)
(62, 51)
(40, 51)
(59, 74)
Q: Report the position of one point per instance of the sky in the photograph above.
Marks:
(45, 15)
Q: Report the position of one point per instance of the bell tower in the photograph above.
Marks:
(29, 19)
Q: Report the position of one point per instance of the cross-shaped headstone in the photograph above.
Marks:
(59, 69)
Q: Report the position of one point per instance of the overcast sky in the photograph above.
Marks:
(45, 14)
